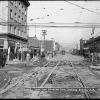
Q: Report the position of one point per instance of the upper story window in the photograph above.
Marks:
(18, 32)
(25, 11)
(22, 19)
(19, 19)
(19, 6)
(15, 16)
(15, 30)
(11, 29)
(11, 13)
(15, 3)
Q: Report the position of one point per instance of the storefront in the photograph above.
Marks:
(13, 44)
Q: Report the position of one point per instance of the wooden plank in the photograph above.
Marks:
(49, 75)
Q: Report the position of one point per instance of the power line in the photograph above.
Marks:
(54, 25)
(82, 7)
(80, 13)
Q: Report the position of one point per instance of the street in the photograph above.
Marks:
(49, 49)
(64, 76)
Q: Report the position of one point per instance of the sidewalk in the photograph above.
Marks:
(16, 61)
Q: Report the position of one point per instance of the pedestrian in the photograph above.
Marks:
(31, 55)
(3, 58)
(42, 56)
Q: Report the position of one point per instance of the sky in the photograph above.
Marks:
(64, 12)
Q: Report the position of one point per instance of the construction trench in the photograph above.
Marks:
(54, 79)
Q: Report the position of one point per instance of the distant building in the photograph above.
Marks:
(13, 21)
(36, 45)
(93, 46)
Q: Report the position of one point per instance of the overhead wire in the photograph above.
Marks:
(81, 7)
(54, 25)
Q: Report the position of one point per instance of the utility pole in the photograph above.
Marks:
(93, 29)
(44, 34)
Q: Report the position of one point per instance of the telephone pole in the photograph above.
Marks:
(93, 29)
(44, 34)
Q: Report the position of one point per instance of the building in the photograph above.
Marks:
(36, 45)
(13, 26)
(82, 42)
(92, 46)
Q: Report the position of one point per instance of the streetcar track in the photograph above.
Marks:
(81, 81)
(54, 65)
(18, 80)
(45, 81)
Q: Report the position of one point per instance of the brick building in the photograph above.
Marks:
(13, 30)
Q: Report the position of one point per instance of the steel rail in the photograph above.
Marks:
(80, 80)
(95, 73)
(19, 79)
(62, 88)
(9, 79)
(36, 93)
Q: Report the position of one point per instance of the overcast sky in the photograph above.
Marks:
(64, 12)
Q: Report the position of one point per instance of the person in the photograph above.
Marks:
(3, 57)
(31, 55)
(42, 56)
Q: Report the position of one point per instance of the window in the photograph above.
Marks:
(19, 6)
(14, 30)
(22, 19)
(15, 16)
(20, 33)
(25, 11)
(16, 3)
(18, 18)
(11, 13)
(11, 29)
